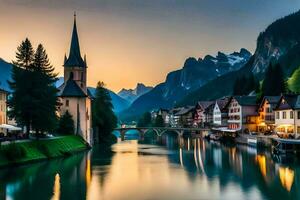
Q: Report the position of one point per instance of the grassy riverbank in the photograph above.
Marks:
(30, 151)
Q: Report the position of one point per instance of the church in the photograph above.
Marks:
(73, 93)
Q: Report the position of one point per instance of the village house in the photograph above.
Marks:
(199, 117)
(267, 114)
(209, 115)
(162, 112)
(73, 94)
(173, 118)
(220, 113)
(242, 113)
(153, 114)
(185, 117)
(287, 115)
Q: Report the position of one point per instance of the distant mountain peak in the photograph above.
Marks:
(132, 94)
(194, 74)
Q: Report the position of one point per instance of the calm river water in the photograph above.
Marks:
(165, 168)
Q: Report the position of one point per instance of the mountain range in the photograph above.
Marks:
(194, 74)
(132, 94)
(5, 68)
(278, 43)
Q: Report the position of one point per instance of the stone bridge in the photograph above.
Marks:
(159, 131)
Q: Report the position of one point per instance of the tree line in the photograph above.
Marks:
(146, 121)
(273, 84)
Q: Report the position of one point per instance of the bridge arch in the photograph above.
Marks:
(159, 131)
(178, 132)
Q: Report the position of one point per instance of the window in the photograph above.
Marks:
(283, 115)
(67, 103)
(298, 129)
(277, 115)
(298, 114)
(291, 114)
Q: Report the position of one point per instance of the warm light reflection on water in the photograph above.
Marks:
(261, 159)
(167, 167)
(286, 176)
(56, 188)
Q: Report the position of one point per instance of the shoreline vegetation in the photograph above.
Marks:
(23, 152)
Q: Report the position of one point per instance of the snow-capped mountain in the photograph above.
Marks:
(194, 74)
(132, 94)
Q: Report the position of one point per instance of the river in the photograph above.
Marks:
(156, 168)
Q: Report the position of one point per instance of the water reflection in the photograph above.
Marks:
(56, 188)
(167, 167)
(286, 176)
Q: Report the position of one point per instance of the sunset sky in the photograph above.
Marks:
(130, 41)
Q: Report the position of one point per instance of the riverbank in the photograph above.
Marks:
(17, 153)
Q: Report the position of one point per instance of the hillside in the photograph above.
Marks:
(194, 74)
(279, 43)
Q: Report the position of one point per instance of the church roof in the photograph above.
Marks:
(74, 59)
(71, 89)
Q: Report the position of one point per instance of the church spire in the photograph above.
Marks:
(74, 59)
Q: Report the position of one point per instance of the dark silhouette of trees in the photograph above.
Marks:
(44, 92)
(245, 84)
(159, 121)
(145, 120)
(104, 118)
(66, 124)
(274, 83)
(34, 97)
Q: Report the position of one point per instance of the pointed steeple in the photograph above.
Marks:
(85, 60)
(74, 59)
(65, 58)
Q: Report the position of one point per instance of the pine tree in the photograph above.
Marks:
(44, 92)
(66, 124)
(145, 120)
(236, 87)
(279, 79)
(103, 116)
(244, 85)
(34, 101)
(274, 83)
(24, 55)
(21, 102)
(159, 121)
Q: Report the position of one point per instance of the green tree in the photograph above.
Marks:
(34, 101)
(245, 84)
(145, 120)
(66, 124)
(44, 92)
(159, 121)
(294, 81)
(104, 118)
(21, 103)
(274, 83)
